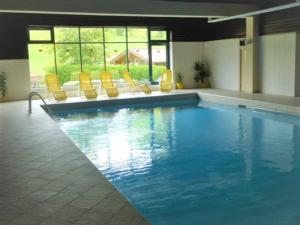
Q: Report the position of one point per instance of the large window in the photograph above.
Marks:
(67, 51)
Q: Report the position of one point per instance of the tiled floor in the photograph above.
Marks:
(45, 179)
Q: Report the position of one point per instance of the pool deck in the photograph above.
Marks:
(46, 180)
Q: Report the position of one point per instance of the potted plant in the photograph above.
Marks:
(179, 81)
(3, 87)
(200, 75)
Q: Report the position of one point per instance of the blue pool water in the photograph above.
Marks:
(189, 164)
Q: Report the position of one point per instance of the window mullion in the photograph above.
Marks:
(104, 52)
(127, 51)
(80, 52)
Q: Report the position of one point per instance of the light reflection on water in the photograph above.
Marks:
(197, 165)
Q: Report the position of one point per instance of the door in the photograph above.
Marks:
(159, 60)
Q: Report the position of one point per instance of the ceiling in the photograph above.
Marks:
(257, 2)
(146, 8)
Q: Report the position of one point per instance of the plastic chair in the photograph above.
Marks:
(86, 86)
(108, 85)
(166, 81)
(134, 86)
(54, 87)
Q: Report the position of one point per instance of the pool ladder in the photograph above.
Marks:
(31, 94)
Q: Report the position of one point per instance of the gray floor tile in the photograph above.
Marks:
(44, 210)
(50, 184)
(27, 220)
(69, 213)
(51, 221)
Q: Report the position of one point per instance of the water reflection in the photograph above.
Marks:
(125, 140)
(209, 165)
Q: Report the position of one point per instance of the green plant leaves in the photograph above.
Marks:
(3, 87)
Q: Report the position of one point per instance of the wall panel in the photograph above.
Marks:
(185, 54)
(18, 82)
(277, 64)
(297, 73)
(280, 22)
(223, 59)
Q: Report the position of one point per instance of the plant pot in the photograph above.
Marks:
(3, 98)
(204, 84)
(179, 86)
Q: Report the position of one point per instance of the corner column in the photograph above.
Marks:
(250, 73)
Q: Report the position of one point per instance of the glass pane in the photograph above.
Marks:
(159, 61)
(158, 35)
(68, 63)
(66, 34)
(137, 34)
(94, 34)
(138, 56)
(41, 62)
(92, 59)
(116, 59)
(115, 34)
(40, 35)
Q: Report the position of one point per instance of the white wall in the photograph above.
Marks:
(297, 78)
(18, 82)
(184, 56)
(277, 56)
(223, 60)
(279, 63)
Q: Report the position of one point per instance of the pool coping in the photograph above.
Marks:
(260, 104)
(216, 96)
(61, 106)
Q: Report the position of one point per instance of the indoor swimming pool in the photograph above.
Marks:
(190, 163)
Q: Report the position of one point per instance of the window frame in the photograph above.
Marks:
(149, 43)
(159, 29)
(49, 28)
(155, 43)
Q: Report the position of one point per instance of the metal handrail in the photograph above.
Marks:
(31, 94)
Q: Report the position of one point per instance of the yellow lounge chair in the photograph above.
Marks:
(86, 86)
(133, 85)
(54, 87)
(166, 81)
(108, 85)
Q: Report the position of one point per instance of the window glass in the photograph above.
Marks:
(91, 34)
(68, 63)
(66, 34)
(41, 62)
(115, 34)
(158, 35)
(92, 59)
(116, 59)
(40, 35)
(159, 61)
(137, 34)
(96, 49)
(138, 57)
